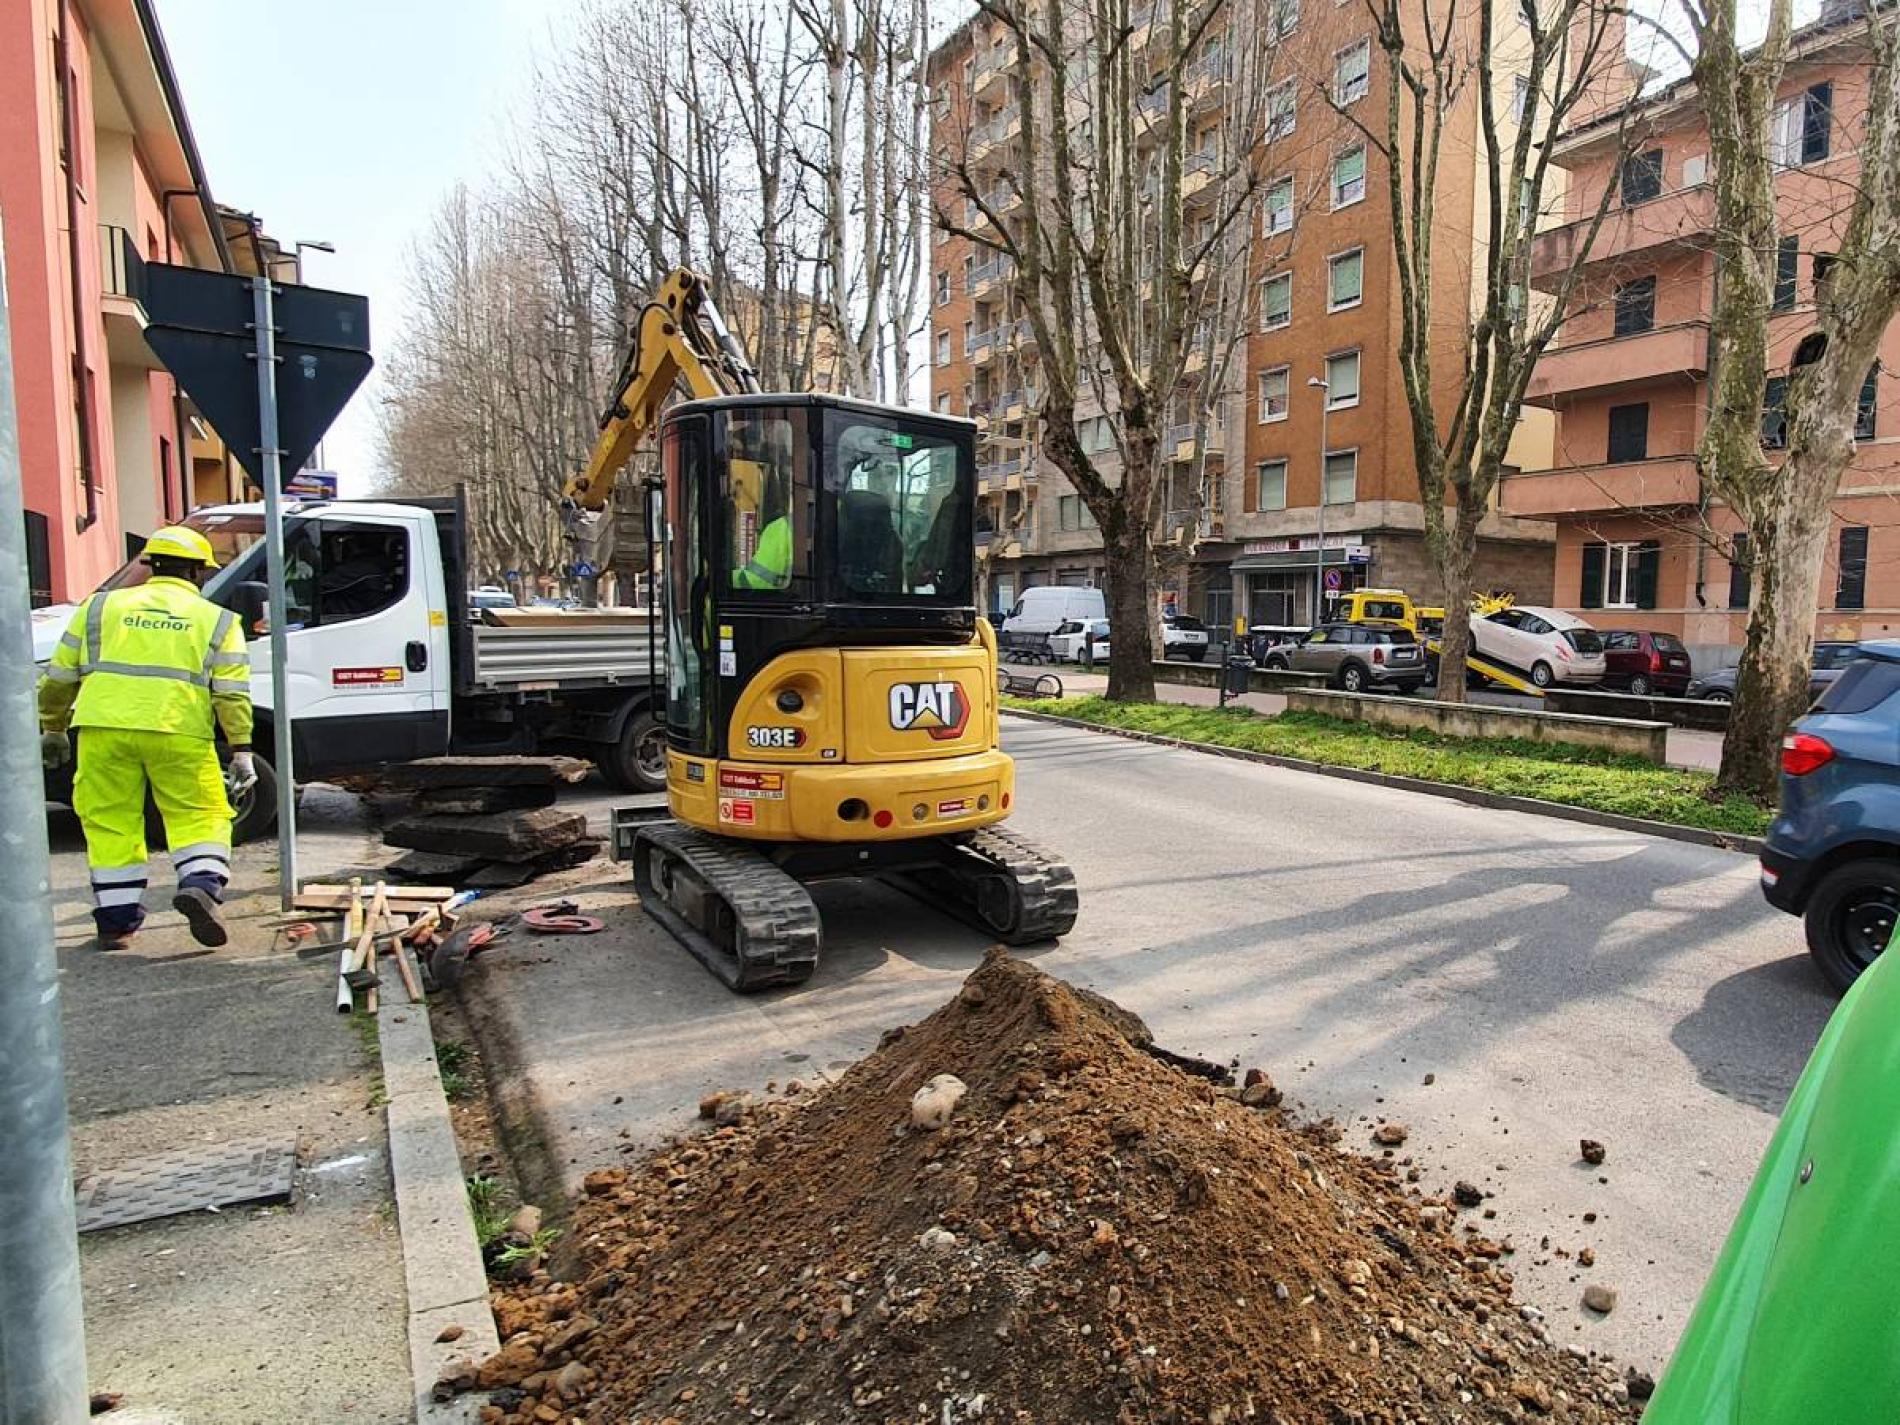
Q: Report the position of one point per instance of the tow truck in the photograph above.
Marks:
(1427, 625)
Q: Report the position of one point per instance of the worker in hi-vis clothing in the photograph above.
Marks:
(149, 673)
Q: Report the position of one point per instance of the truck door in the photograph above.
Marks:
(368, 641)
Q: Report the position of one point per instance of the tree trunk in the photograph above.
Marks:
(1459, 559)
(1131, 672)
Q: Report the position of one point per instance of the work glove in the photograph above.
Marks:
(243, 774)
(55, 749)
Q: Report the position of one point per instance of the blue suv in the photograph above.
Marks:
(1833, 852)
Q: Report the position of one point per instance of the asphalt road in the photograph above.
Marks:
(1559, 982)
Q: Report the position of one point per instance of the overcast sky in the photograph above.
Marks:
(345, 121)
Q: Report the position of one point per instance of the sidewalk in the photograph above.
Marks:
(254, 1315)
(1688, 747)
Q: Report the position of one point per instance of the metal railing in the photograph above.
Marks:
(996, 269)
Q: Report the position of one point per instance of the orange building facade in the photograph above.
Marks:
(1642, 542)
(98, 174)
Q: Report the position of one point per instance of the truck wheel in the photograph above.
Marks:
(254, 811)
(1850, 918)
(637, 762)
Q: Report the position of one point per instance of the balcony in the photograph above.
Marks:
(986, 278)
(1681, 350)
(1197, 176)
(1590, 489)
(1206, 79)
(1179, 440)
(990, 66)
(1684, 216)
(122, 300)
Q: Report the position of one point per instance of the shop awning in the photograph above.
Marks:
(1291, 559)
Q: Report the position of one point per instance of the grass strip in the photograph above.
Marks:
(1552, 772)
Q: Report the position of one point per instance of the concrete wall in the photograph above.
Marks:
(1647, 740)
(1698, 713)
(1259, 680)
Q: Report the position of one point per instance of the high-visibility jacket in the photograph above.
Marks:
(158, 657)
(771, 564)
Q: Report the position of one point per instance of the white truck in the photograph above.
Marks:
(387, 666)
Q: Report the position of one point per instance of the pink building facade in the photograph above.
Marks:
(98, 174)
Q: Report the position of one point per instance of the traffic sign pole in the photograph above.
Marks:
(269, 456)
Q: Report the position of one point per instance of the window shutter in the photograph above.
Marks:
(1816, 119)
(1866, 406)
(1738, 571)
(1591, 596)
(1648, 566)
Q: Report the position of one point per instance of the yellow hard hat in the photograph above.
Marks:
(175, 541)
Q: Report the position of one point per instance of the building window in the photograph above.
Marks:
(1636, 306)
(1629, 433)
(969, 336)
(1069, 513)
(1275, 389)
(1787, 263)
(1283, 105)
(39, 560)
(1738, 571)
(1276, 302)
(1803, 127)
(943, 404)
(1641, 178)
(1620, 576)
(1270, 485)
(1520, 97)
(1284, 19)
(1526, 203)
(1278, 213)
(1345, 281)
(1352, 72)
(1342, 477)
(943, 348)
(1342, 380)
(1823, 270)
(1774, 414)
(943, 288)
(1349, 177)
(1850, 589)
(1865, 408)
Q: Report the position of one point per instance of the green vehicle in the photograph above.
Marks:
(1800, 1322)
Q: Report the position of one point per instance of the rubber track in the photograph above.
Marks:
(1044, 894)
(779, 934)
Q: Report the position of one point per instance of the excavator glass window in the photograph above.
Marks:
(768, 505)
(688, 586)
(904, 508)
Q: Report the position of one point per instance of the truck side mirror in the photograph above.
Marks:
(250, 601)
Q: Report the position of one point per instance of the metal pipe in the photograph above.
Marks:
(42, 1333)
(264, 324)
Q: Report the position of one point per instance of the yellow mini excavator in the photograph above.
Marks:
(830, 691)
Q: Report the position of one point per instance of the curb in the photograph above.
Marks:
(442, 1265)
(519, 1116)
(1471, 796)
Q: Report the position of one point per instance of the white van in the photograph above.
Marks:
(1040, 611)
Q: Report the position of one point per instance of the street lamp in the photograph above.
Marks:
(1319, 383)
(315, 246)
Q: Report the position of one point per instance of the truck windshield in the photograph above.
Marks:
(904, 510)
(230, 535)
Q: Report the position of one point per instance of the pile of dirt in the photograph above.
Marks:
(1092, 1238)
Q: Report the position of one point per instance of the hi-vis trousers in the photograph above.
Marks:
(115, 767)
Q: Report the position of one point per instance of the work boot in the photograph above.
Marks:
(116, 939)
(201, 912)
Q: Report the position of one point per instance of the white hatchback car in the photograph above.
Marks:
(1065, 644)
(1548, 644)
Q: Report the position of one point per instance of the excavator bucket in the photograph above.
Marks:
(1801, 1320)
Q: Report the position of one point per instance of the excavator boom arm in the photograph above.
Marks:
(680, 336)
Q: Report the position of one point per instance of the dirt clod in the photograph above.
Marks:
(1600, 1298)
(1094, 1237)
(1390, 1135)
(1593, 1151)
(1467, 1194)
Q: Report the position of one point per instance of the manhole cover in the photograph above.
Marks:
(189, 1180)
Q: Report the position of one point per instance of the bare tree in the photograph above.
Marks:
(1113, 276)
(1442, 65)
(1786, 507)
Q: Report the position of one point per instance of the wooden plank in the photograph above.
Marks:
(481, 772)
(325, 895)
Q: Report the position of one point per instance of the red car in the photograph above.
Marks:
(1646, 663)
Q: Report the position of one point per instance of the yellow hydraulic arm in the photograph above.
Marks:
(679, 336)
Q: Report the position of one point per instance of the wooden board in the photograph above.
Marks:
(407, 899)
(480, 772)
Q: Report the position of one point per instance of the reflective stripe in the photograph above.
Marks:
(62, 675)
(229, 660)
(205, 865)
(223, 627)
(202, 848)
(230, 686)
(121, 876)
(105, 896)
(68, 640)
(153, 670)
(95, 631)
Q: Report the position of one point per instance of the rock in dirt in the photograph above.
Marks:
(1198, 1263)
(104, 1400)
(1467, 1194)
(1587, 1257)
(1640, 1384)
(1390, 1135)
(1600, 1298)
(451, 1332)
(1261, 1093)
(1593, 1151)
(932, 1105)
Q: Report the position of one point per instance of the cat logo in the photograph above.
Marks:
(941, 709)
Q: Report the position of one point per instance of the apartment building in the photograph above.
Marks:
(98, 174)
(1311, 488)
(1641, 541)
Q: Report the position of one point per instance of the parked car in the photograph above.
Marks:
(1645, 663)
(1183, 637)
(488, 596)
(1830, 658)
(1263, 639)
(1360, 656)
(1042, 610)
(1548, 644)
(1832, 854)
(1065, 644)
